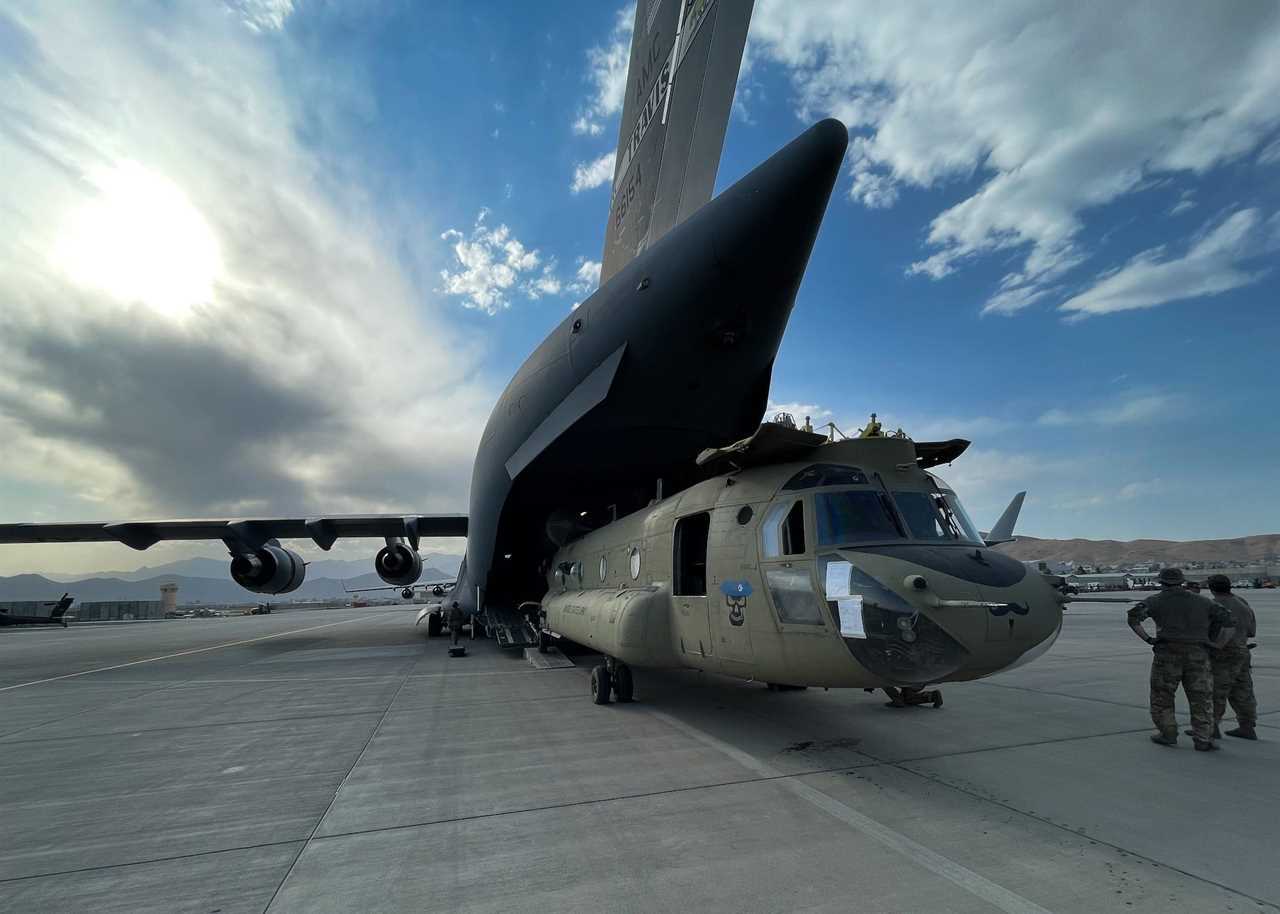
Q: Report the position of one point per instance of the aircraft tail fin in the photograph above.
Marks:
(1002, 532)
(685, 56)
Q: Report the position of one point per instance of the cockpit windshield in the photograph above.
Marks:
(858, 516)
(936, 516)
(966, 524)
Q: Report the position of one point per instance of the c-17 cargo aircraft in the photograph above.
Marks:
(625, 494)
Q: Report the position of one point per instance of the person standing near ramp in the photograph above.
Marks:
(455, 619)
(1232, 668)
(1186, 625)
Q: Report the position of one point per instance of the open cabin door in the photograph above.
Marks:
(689, 585)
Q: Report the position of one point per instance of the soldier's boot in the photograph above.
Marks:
(1165, 739)
(895, 698)
(1206, 745)
(1244, 731)
(1217, 734)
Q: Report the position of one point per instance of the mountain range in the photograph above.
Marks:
(203, 580)
(1116, 552)
(338, 569)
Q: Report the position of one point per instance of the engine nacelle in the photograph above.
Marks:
(398, 564)
(271, 569)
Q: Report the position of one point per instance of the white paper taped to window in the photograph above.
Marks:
(851, 617)
(838, 574)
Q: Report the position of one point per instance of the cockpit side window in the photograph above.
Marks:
(826, 474)
(793, 531)
(783, 530)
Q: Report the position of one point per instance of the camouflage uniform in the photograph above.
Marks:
(1181, 657)
(1232, 670)
(455, 623)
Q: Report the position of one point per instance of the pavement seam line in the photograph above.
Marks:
(128, 731)
(338, 790)
(198, 650)
(972, 882)
(150, 860)
(936, 779)
(356, 833)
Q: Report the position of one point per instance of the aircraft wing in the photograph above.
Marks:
(249, 532)
(685, 56)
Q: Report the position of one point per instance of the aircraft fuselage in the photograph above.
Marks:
(672, 355)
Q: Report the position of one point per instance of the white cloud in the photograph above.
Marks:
(1183, 205)
(1051, 109)
(607, 74)
(1134, 409)
(587, 278)
(545, 283)
(589, 175)
(1139, 489)
(490, 263)
(1210, 267)
(1270, 154)
(248, 370)
(263, 15)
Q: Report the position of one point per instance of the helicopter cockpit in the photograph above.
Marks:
(863, 541)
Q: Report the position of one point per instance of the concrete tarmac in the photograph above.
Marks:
(338, 761)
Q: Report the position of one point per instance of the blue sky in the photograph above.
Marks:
(284, 256)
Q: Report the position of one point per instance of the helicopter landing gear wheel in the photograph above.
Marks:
(623, 682)
(600, 684)
(433, 625)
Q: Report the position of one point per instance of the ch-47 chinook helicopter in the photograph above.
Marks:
(805, 561)
(758, 560)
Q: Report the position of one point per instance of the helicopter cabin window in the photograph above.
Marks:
(691, 555)
(826, 474)
(783, 530)
(854, 517)
(793, 596)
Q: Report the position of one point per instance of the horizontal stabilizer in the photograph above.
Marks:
(1002, 532)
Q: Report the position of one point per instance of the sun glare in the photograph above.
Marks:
(140, 239)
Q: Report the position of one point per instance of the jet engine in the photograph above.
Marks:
(398, 564)
(271, 569)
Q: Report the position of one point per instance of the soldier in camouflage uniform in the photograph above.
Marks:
(455, 619)
(1232, 670)
(1186, 624)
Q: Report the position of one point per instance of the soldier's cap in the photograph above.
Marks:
(1219, 583)
(1171, 576)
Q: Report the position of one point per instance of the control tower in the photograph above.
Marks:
(168, 598)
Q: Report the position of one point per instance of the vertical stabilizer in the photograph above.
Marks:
(1002, 532)
(685, 56)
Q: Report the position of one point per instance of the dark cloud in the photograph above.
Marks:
(309, 376)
